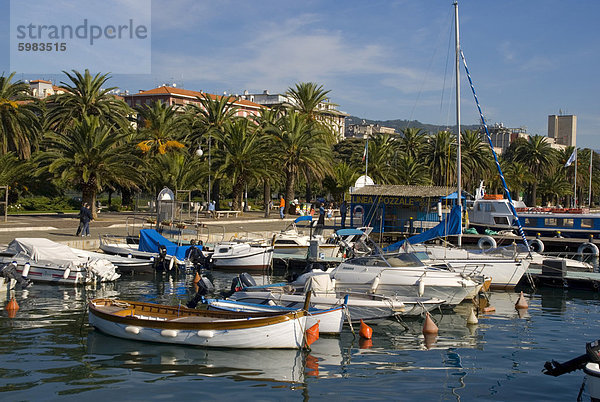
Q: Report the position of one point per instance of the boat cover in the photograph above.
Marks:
(150, 240)
(41, 249)
(447, 227)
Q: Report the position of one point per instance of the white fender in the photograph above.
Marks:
(486, 242)
(169, 333)
(129, 255)
(537, 245)
(26, 268)
(421, 287)
(67, 273)
(132, 329)
(204, 333)
(375, 284)
(171, 263)
(591, 246)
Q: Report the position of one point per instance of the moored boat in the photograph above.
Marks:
(181, 325)
(241, 256)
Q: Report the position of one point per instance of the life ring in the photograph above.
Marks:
(588, 245)
(487, 243)
(536, 245)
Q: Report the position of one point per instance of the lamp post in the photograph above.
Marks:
(200, 152)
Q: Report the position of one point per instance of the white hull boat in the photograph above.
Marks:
(124, 264)
(505, 267)
(360, 306)
(42, 260)
(180, 325)
(241, 256)
(330, 320)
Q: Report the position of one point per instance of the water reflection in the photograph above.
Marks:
(248, 364)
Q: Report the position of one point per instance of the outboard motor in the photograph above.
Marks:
(9, 271)
(592, 355)
(242, 281)
(160, 262)
(197, 258)
(205, 287)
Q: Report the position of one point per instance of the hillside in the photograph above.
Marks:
(400, 124)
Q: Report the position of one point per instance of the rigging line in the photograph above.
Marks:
(424, 80)
(446, 66)
(489, 138)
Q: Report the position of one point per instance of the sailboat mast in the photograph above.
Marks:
(458, 153)
(590, 189)
(575, 182)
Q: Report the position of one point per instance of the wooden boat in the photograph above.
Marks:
(330, 320)
(181, 325)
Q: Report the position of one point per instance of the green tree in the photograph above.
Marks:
(382, 149)
(161, 128)
(85, 96)
(476, 158)
(410, 171)
(19, 123)
(241, 156)
(344, 176)
(91, 155)
(539, 156)
(412, 141)
(297, 148)
(440, 155)
(209, 119)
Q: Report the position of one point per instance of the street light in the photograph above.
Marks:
(199, 153)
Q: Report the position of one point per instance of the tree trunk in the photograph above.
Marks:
(110, 192)
(88, 194)
(126, 197)
(308, 186)
(289, 188)
(267, 196)
(238, 191)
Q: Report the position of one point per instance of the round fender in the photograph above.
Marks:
(593, 249)
(487, 243)
(536, 245)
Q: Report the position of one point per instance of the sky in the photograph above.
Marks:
(380, 59)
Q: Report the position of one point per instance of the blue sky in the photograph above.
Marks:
(383, 59)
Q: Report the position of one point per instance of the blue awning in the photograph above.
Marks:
(447, 227)
(150, 240)
(349, 232)
(452, 196)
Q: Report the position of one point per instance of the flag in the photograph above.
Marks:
(365, 151)
(571, 158)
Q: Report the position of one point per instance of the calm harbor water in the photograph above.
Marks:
(48, 352)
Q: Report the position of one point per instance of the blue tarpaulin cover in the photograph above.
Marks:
(150, 240)
(447, 227)
(304, 218)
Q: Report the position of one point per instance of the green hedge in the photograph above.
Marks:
(45, 204)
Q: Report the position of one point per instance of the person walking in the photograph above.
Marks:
(81, 215)
(281, 207)
(321, 220)
(86, 217)
(343, 212)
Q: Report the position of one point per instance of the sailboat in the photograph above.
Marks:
(505, 267)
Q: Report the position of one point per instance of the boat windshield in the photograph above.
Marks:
(392, 260)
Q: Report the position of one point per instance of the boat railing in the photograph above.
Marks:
(134, 224)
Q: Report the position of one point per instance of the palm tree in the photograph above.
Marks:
(296, 148)
(539, 156)
(85, 96)
(517, 177)
(209, 119)
(241, 156)
(410, 171)
(91, 155)
(440, 155)
(19, 124)
(553, 187)
(162, 127)
(176, 170)
(381, 155)
(412, 141)
(476, 158)
(344, 176)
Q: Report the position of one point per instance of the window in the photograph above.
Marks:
(551, 221)
(530, 221)
(501, 220)
(587, 223)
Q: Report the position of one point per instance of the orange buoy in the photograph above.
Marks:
(430, 340)
(196, 279)
(365, 332)
(429, 327)
(312, 334)
(12, 307)
(521, 303)
(365, 343)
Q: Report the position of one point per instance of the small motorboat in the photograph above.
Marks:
(42, 260)
(330, 320)
(361, 306)
(293, 241)
(242, 256)
(182, 325)
(128, 264)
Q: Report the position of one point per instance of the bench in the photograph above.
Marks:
(219, 214)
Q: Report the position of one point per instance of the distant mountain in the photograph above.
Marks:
(400, 124)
